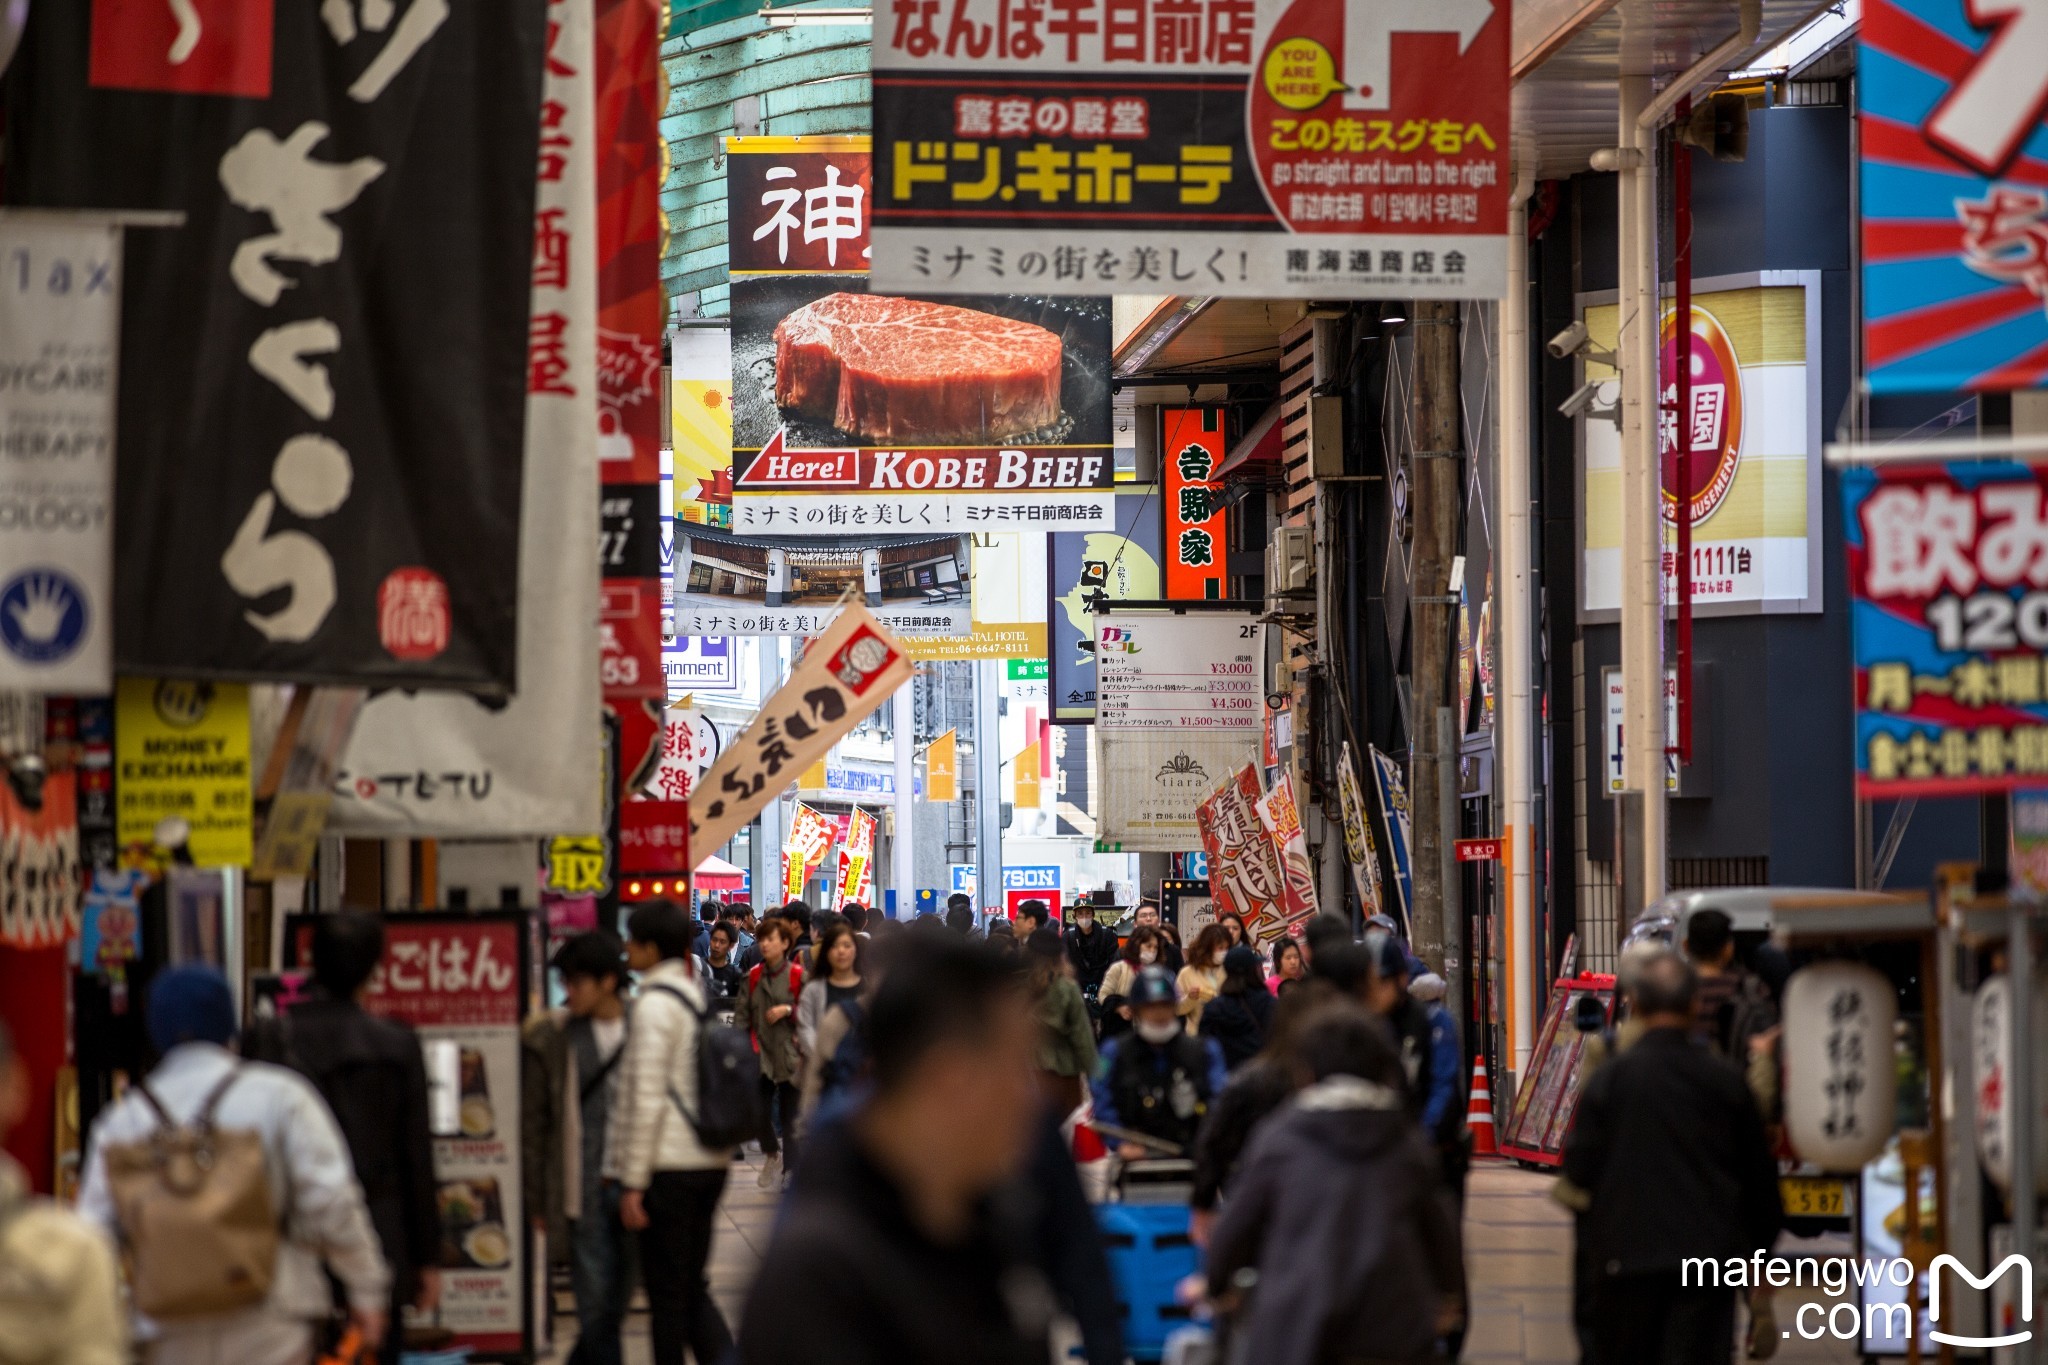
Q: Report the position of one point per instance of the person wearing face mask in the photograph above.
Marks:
(1140, 950)
(1146, 916)
(1090, 947)
(1158, 1079)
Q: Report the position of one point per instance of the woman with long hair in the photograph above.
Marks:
(1202, 977)
(834, 979)
(1066, 1038)
(1233, 925)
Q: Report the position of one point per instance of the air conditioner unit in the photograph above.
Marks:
(1290, 562)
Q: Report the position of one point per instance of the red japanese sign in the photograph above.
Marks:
(1245, 877)
(1221, 147)
(1478, 850)
(654, 836)
(1191, 454)
(444, 972)
(812, 211)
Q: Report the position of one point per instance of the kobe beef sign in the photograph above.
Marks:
(858, 414)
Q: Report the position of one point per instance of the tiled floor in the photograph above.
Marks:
(1517, 1253)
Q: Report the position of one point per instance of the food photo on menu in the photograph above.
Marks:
(473, 1233)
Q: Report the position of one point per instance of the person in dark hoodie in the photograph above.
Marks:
(1338, 1210)
(373, 1077)
(1243, 1010)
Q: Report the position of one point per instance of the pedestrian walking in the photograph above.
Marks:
(569, 1074)
(1243, 1010)
(834, 979)
(1290, 966)
(306, 1170)
(960, 913)
(905, 1233)
(1157, 1080)
(1233, 929)
(1338, 1211)
(1432, 1058)
(1002, 935)
(1140, 950)
(1670, 1151)
(1066, 1037)
(769, 1003)
(670, 1181)
(60, 1291)
(1735, 1006)
(1146, 916)
(1090, 947)
(372, 1075)
(1031, 917)
(708, 914)
(723, 974)
(1202, 977)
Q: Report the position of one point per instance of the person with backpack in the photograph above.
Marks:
(671, 1176)
(374, 1079)
(569, 1081)
(1157, 1080)
(60, 1290)
(768, 1006)
(233, 1272)
(1735, 1006)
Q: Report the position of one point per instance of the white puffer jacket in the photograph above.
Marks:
(648, 1132)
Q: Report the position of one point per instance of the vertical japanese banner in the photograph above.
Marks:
(700, 418)
(857, 861)
(1281, 817)
(809, 839)
(1245, 877)
(60, 316)
(460, 981)
(438, 765)
(942, 768)
(321, 415)
(1948, 627)
(1393, 794)
(1955, 209)
(632, 160)
(1358, 841)
(1248, 148)
(1191, 452)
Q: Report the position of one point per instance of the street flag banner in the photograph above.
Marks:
(1192, 448)
(942, 768)
(1393, 794)
(869, 414)
(1321, 149)
(1955, 208)
(810, 836)
(1948, 627)
(845, 673)
(60, 319)
(1281, 817)
(443, 765)
(1358, 842)
(857, 861)
(1245, 878)
(324, 368)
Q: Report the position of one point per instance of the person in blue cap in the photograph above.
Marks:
(1158, 1079)
(191, 1020)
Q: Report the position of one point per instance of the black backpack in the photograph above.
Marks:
(730, 1109)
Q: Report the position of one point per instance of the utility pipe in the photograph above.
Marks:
(1521, 943)
(1749, 18)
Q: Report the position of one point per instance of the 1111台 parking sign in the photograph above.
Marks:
(1247, 148)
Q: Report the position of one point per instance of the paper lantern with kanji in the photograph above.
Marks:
(1992, 1076)
(1840, 1081)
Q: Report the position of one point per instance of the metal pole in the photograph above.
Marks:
(988, 788)
(767, 841)
(903, 848)
(1642, 520)
(2023, 1105)
(1435, 463)
(1681, 426)
(1517, 733)
(1455, 968)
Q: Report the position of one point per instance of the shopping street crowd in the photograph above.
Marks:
(930, 1095)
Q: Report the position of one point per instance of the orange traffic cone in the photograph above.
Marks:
(1479, 1111)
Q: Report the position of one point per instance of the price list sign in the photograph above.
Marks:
(1179, 709)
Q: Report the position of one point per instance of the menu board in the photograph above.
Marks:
(1179, 709)
(460, 982)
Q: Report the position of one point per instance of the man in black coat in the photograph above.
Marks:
(1671, 1150)
(371, 1074)
(1090, 947)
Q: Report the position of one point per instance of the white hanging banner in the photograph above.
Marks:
(60, 315)
(441, 763)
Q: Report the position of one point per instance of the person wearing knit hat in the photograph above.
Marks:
(190, 1014)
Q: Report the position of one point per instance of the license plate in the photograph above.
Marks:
(1807, 1198)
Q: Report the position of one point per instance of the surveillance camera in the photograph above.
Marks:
(1568, 342)
(1582, 398)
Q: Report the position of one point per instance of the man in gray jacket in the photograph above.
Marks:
(191, 1018)
(671, 1182)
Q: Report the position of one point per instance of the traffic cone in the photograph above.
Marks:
(1479, 1111)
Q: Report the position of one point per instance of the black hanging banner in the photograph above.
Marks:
(324, 370)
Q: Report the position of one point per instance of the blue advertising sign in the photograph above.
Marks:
(1088, 567)
(1955, 196)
